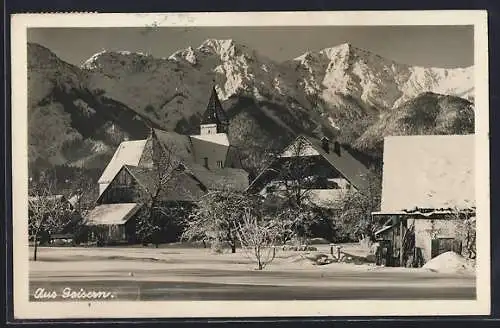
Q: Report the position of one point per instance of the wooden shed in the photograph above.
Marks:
(427, 195)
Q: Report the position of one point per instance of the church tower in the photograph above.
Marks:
(214, 119)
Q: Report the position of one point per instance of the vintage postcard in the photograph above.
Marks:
(250, 164)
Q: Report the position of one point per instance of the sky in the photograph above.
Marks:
(429, 46)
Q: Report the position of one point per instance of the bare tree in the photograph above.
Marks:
(162, 176)
(256, 158)
(258, 235)
(83, 193)
(294, 222)
(355, 208)
(48, 212)
(295, 174)
(466, 230)
(217, 216)
(291, 188)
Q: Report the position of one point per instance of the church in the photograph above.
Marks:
(203, 162)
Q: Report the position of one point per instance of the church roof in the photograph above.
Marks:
(192, 149)
(214, 114)
(179, 187)
(192, 183)
(177, 143)
(216, 138)
(221, 178)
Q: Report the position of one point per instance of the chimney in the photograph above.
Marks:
(325, 144)
(336, 147)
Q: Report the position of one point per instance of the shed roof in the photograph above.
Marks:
(428, 172)
(111, 214)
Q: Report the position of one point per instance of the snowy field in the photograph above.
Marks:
(137, 273)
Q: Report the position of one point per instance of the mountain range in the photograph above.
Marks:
(78, 115)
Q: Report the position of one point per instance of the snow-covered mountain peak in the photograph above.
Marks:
(226, 49)
(92, 62)
(105, 58)
(187, 54)
(217, 45)
(344, 50)
(333, 87)
(342, 69)
(308, 56)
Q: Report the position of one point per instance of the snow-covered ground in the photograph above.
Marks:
(199, 274)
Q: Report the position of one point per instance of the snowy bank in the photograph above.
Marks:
(450, 262)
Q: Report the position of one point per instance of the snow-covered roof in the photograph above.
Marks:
(430, 172)
(112, 214)
(127, 153)
(218, 138)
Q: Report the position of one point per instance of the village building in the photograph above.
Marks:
(324, 169)
(199, 163)
(427, 193)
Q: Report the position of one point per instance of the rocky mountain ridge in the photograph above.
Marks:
(342, 91)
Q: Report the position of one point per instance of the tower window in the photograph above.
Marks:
(205, 159)
(220, 164)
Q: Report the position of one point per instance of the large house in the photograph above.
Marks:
(427, 191)
(323, 169)
(197, 163)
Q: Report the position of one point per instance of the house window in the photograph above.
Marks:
(220, 164)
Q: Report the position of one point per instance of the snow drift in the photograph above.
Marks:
(449, 262)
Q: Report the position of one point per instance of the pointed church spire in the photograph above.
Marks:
(214, 113)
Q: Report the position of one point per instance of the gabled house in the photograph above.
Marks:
(127, 153)
(427, 191)
(324, 168)
(201, 162)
